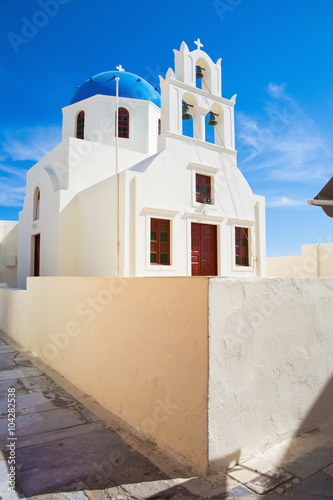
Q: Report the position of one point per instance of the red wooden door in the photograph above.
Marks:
(37, 255)
(204, 250)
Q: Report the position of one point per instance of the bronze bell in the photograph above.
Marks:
(186, 112)
(199, 73)
(212, 119)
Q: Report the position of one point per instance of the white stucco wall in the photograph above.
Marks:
(271, 359)
(8, 252)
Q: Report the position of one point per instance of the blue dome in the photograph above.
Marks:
(130, 85)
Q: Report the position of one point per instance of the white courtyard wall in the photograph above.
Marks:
(270, 362)
(8, 253)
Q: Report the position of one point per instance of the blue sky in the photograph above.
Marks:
(277, 56)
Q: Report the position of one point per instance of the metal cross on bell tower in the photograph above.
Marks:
(198, 44)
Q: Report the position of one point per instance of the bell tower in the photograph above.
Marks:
(193, 90)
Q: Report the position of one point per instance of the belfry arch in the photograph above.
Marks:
(206, 81)
(192, 124)
(217, 109)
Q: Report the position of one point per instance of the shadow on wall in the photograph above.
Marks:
(321, 410)
(8, 256)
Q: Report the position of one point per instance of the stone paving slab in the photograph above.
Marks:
(8, 361)
(88, 415)
(151, 489)
(329, 470)
(207, 488)
(237, 492)
(15, 373)
(4, 493)
(312, 462)
(144, 479)
(20, 390)
(37, 423)
(48, 437)
(60, 462)
(5, 348)
(73, 495)
(317, 487)
(42, 383)
(36, 403)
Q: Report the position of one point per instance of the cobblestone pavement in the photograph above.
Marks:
(64, 451)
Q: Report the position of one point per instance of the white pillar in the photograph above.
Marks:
(199, 126)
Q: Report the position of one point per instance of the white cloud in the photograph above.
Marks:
(284, 201)
(19, 173)
(31, 143)
(12, 185)
(12, 192)
(277, 91)
(26, 145)
(285, 144)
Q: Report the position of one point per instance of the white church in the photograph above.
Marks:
(131, 192)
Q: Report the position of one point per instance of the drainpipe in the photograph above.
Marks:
(320, 203)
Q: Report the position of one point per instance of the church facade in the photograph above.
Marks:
(160, 194)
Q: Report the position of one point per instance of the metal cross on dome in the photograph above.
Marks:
(120, 68)
(198, 44)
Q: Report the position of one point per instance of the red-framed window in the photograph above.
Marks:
(80, 125)
(203, 188)
(159, 126)
(160, 241)
(123, 123)
(242, 246)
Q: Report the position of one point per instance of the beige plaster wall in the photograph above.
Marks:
(271, 362)
(139, 346)
(315, 260)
